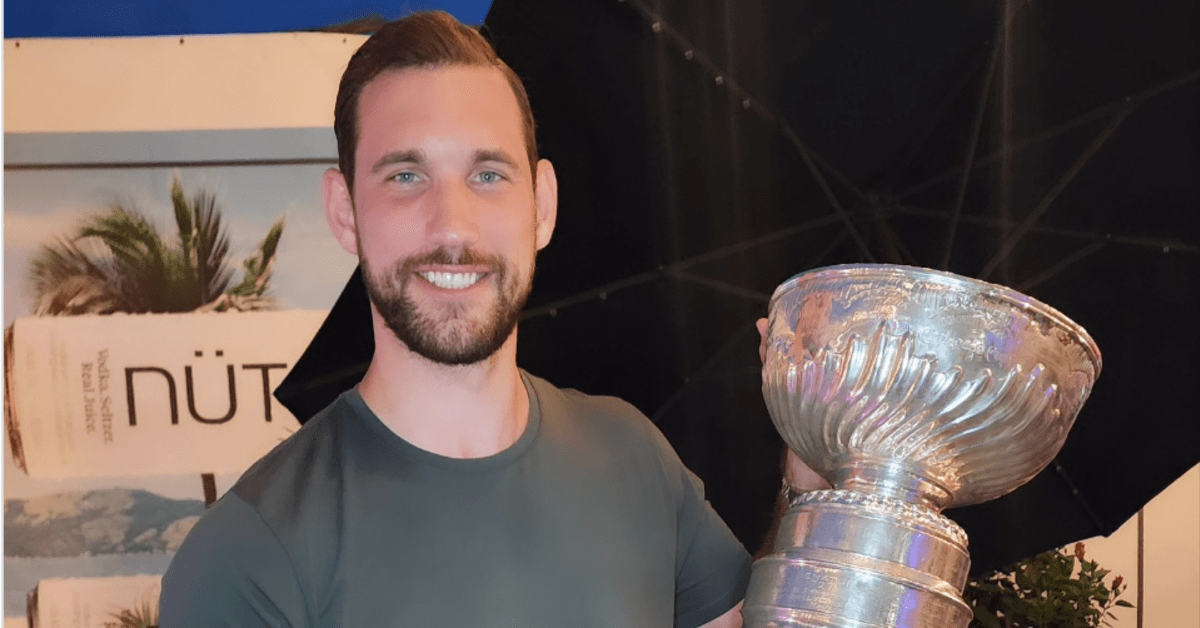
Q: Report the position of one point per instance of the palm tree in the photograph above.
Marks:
(144, 614)
(117, 262)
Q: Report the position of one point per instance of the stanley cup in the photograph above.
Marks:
(910, 391)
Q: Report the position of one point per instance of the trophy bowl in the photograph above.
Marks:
(920, 383)
(910, 391)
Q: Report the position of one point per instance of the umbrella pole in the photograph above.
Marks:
(1141, 565)
(209, 481)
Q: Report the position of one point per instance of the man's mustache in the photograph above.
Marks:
(442, 256)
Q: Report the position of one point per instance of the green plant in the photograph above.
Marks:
(1054, 589)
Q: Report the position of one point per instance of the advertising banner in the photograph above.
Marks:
(131, 394)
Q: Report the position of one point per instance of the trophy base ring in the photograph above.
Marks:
(850, 560)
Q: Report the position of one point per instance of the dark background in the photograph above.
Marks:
(838, 132)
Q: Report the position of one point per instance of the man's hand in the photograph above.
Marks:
(799, 477)
(761, 324)
(797, 474)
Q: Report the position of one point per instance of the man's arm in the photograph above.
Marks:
(798, 478)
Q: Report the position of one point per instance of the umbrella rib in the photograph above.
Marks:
(772, 236)
(600, 292)
(1141, 241)
(1087, 508)
(694, 376)
(1085, 118)
(613, 286)
(1011, 242)
(694, 53)
(1049, 273)
(891, 246)
(723, 78)
(936, 120)
(830, 246)
(714, 375)
(973, 144)
(722, 286)
(806, 155)
(671, 175)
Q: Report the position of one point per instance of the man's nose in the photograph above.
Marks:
(452, 220)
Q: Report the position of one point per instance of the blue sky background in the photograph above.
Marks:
(311, 266)
(80, 18)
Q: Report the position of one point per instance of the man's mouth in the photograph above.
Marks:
(452, 281)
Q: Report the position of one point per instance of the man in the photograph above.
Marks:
(450, 488)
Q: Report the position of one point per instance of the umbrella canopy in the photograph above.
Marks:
(706, 153)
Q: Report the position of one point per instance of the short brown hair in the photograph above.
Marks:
(422, 40)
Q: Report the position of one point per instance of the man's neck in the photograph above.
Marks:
(468, 411)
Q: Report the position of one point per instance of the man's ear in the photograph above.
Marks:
(339, 209)
(546, 199)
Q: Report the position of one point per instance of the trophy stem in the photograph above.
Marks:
(889, 478)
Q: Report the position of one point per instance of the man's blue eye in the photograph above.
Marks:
(406, 177)
(489, 177)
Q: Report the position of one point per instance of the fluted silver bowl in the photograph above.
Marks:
(920, 384)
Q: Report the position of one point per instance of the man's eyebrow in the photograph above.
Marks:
(498, 156)
(415, 156)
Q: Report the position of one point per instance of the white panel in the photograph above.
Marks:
(1173, 555)
(274, 80)
(1118, 553)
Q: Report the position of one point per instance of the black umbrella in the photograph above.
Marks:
(707, 153)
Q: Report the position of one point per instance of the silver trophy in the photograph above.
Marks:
(910, 391)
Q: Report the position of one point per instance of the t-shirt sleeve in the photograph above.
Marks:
(712, 568)
(231, 571)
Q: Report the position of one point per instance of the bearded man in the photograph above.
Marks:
(451, 488)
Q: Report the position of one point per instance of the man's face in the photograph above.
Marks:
(446, 217)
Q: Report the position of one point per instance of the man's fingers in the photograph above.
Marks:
(761, 324)
(799, 477)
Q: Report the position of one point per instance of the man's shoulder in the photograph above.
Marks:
(275, 530)
(301, 463)
(612, 419)
(554, 401)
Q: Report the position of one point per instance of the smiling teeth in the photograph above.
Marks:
(452, 281)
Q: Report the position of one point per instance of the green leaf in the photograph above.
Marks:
(183, 215)
(1043, 591)
(986, 618)
(116, 261)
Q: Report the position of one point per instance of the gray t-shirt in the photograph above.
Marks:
(589, 519)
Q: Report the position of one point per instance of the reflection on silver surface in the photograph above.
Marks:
(910, 390)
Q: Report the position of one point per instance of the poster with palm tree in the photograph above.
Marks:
(126, 238)
(116, 261)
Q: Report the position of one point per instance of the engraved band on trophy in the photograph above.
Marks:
(911, 391)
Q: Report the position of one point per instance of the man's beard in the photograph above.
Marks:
(443, 333)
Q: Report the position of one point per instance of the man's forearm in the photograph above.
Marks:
(797, 478)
